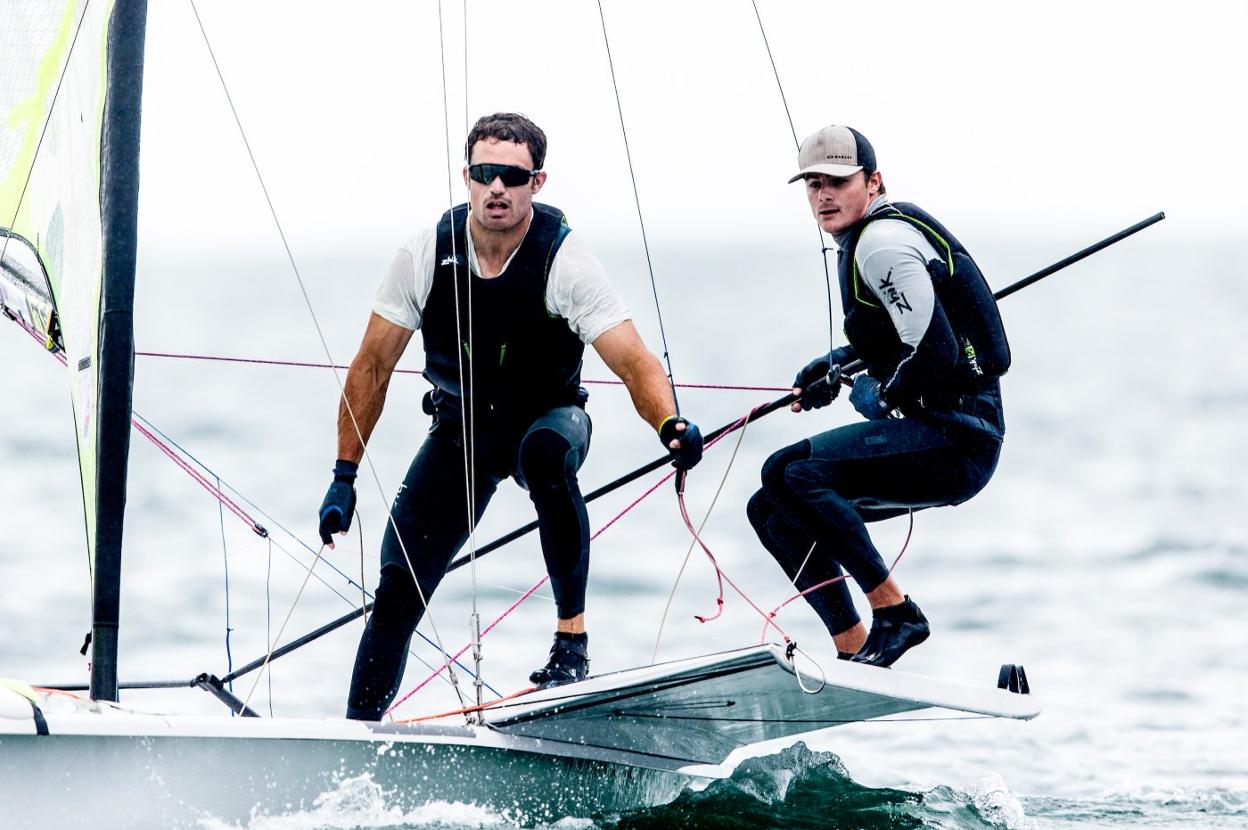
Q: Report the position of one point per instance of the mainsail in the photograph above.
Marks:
(70, 88)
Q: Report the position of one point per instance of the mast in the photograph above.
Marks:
(119, 202)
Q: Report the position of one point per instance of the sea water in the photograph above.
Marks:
(1109, 555)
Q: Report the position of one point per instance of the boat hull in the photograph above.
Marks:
(69, 780)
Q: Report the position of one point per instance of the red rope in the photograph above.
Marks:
(720, 576)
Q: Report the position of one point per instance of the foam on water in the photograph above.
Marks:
(359, 803)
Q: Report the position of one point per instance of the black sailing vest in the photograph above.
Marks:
(961, 290)
(521, 359)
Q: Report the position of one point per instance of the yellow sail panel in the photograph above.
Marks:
(53, 75)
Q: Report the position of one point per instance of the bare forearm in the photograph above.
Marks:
(649, 388)
(364, 392)
(624, 353)
(360, 407)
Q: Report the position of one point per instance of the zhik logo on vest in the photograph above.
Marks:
(892, 296)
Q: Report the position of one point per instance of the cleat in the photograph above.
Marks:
(894, 631)
(568, 663)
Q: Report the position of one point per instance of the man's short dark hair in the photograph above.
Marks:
(509, 126)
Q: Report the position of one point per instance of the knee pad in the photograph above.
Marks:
(546, 459)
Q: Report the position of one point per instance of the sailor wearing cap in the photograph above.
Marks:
(921, 320)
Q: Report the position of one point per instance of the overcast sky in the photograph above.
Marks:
(1069, 119)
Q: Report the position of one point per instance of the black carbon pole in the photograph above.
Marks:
(781, 403)
(766, 409)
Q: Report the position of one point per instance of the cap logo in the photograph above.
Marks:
(844, 156)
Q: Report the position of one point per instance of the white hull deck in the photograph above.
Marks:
(619, 741)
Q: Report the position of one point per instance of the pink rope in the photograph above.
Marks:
(165, 448)
(833, 581)
(200, 479)
(304, 365)
(723, 577)
(720, 576)
(523, 597)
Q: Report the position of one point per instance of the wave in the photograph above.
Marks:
(800, 788)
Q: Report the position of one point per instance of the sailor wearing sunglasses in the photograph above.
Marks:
(506, 297)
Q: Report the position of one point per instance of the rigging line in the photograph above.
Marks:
(475, 618)
(531, 591)
(833, 580)
(299, 279)
(776, 72)
(225, 555)
(654, 656)
(802, 566)
(290, 555)
(300, 642)
(268, 616)
(139, 422)
(466, 110)
(761, 411)
(309, 365)
(86, 6)
(472, 481)
(281, 630)
(465, 414)
(363, 591)
(619, 106)
(256, 527)
(721, 575)
(823, 243)
(480, 707)
(829, 721)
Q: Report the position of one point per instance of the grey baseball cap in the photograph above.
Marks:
(835, 151)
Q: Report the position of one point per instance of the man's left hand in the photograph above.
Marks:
(683, 441)
(867, 398)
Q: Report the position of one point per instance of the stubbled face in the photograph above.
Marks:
(840, 203)
(496, 207)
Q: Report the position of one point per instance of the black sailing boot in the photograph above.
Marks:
(568, 663)
(894, 630)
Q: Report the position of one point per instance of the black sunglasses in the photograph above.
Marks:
(511, 175)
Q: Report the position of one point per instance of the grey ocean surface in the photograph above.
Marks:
(1109, 555)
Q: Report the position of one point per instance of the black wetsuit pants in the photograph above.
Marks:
(822, 491)
(431, 514)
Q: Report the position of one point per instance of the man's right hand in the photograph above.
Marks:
(817, 384)
(339, 504)
(686, 437)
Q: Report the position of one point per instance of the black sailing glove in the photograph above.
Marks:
(339, 502)
(818, 383)
(688, 451)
